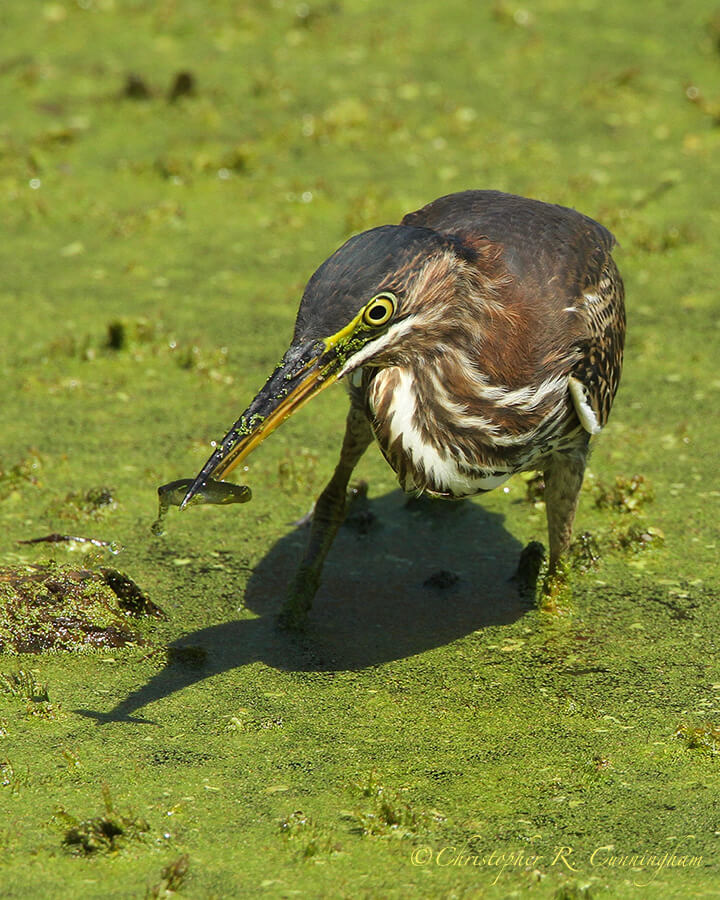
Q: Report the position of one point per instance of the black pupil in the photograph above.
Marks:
(377, 312)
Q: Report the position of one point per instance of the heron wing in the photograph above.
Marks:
(557, 248)
(562, 274)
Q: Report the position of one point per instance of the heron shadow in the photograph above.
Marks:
(401, 578)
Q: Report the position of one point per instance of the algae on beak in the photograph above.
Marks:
(305, 370)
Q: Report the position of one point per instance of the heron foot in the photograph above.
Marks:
(556, 592)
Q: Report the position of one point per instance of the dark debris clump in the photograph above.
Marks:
(106, 832)
(130, 597)
(442, 580)
(53, 607)
(359, 517)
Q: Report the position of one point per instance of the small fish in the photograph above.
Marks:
(218, 493)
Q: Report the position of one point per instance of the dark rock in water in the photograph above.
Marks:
(136, 88)
(359, 516)
(442, 580)
(187, 656)
(361, 520)
(183, 86)
(131, 598)
(529, 565)
(358, 491)
(53, 607)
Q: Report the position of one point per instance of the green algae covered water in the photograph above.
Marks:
(171, 174)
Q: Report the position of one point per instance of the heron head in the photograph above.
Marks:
(358, 309)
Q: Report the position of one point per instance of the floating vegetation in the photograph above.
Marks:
(172, 878)
(214, 160)
(704, 737)
(713, 29)
(124, 334)
(13, 476)
(601, 763)
(105, 833)
(310, 837)
(53, 607)
(141, 338)
(660, 238)
(130, 597)
(585, 552)
(183, 85)
(92, 503)
(572, 891)
(363, 210)
(193, 657)
(244, 720)
(24, 686)
(136, 88)
(297, 473)
(626, 495)
(390, 815)
(636, 537)
(708, 107)
(7, 773)
(681, 605)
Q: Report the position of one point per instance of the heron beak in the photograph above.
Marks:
(305, 370)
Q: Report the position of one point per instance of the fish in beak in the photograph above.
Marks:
(305, 370)
(340, 300)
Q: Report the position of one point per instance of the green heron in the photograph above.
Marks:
(480, 337)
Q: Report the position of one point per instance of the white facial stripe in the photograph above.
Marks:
(399, 329)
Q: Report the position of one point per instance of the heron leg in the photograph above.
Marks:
(327, 517)
(563, 480)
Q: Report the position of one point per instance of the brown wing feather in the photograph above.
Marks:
(558, 249)
(601, 357)
(559, 260)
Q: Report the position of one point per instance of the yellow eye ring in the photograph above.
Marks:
(380, 309)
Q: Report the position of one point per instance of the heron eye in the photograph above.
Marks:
(380, 309)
